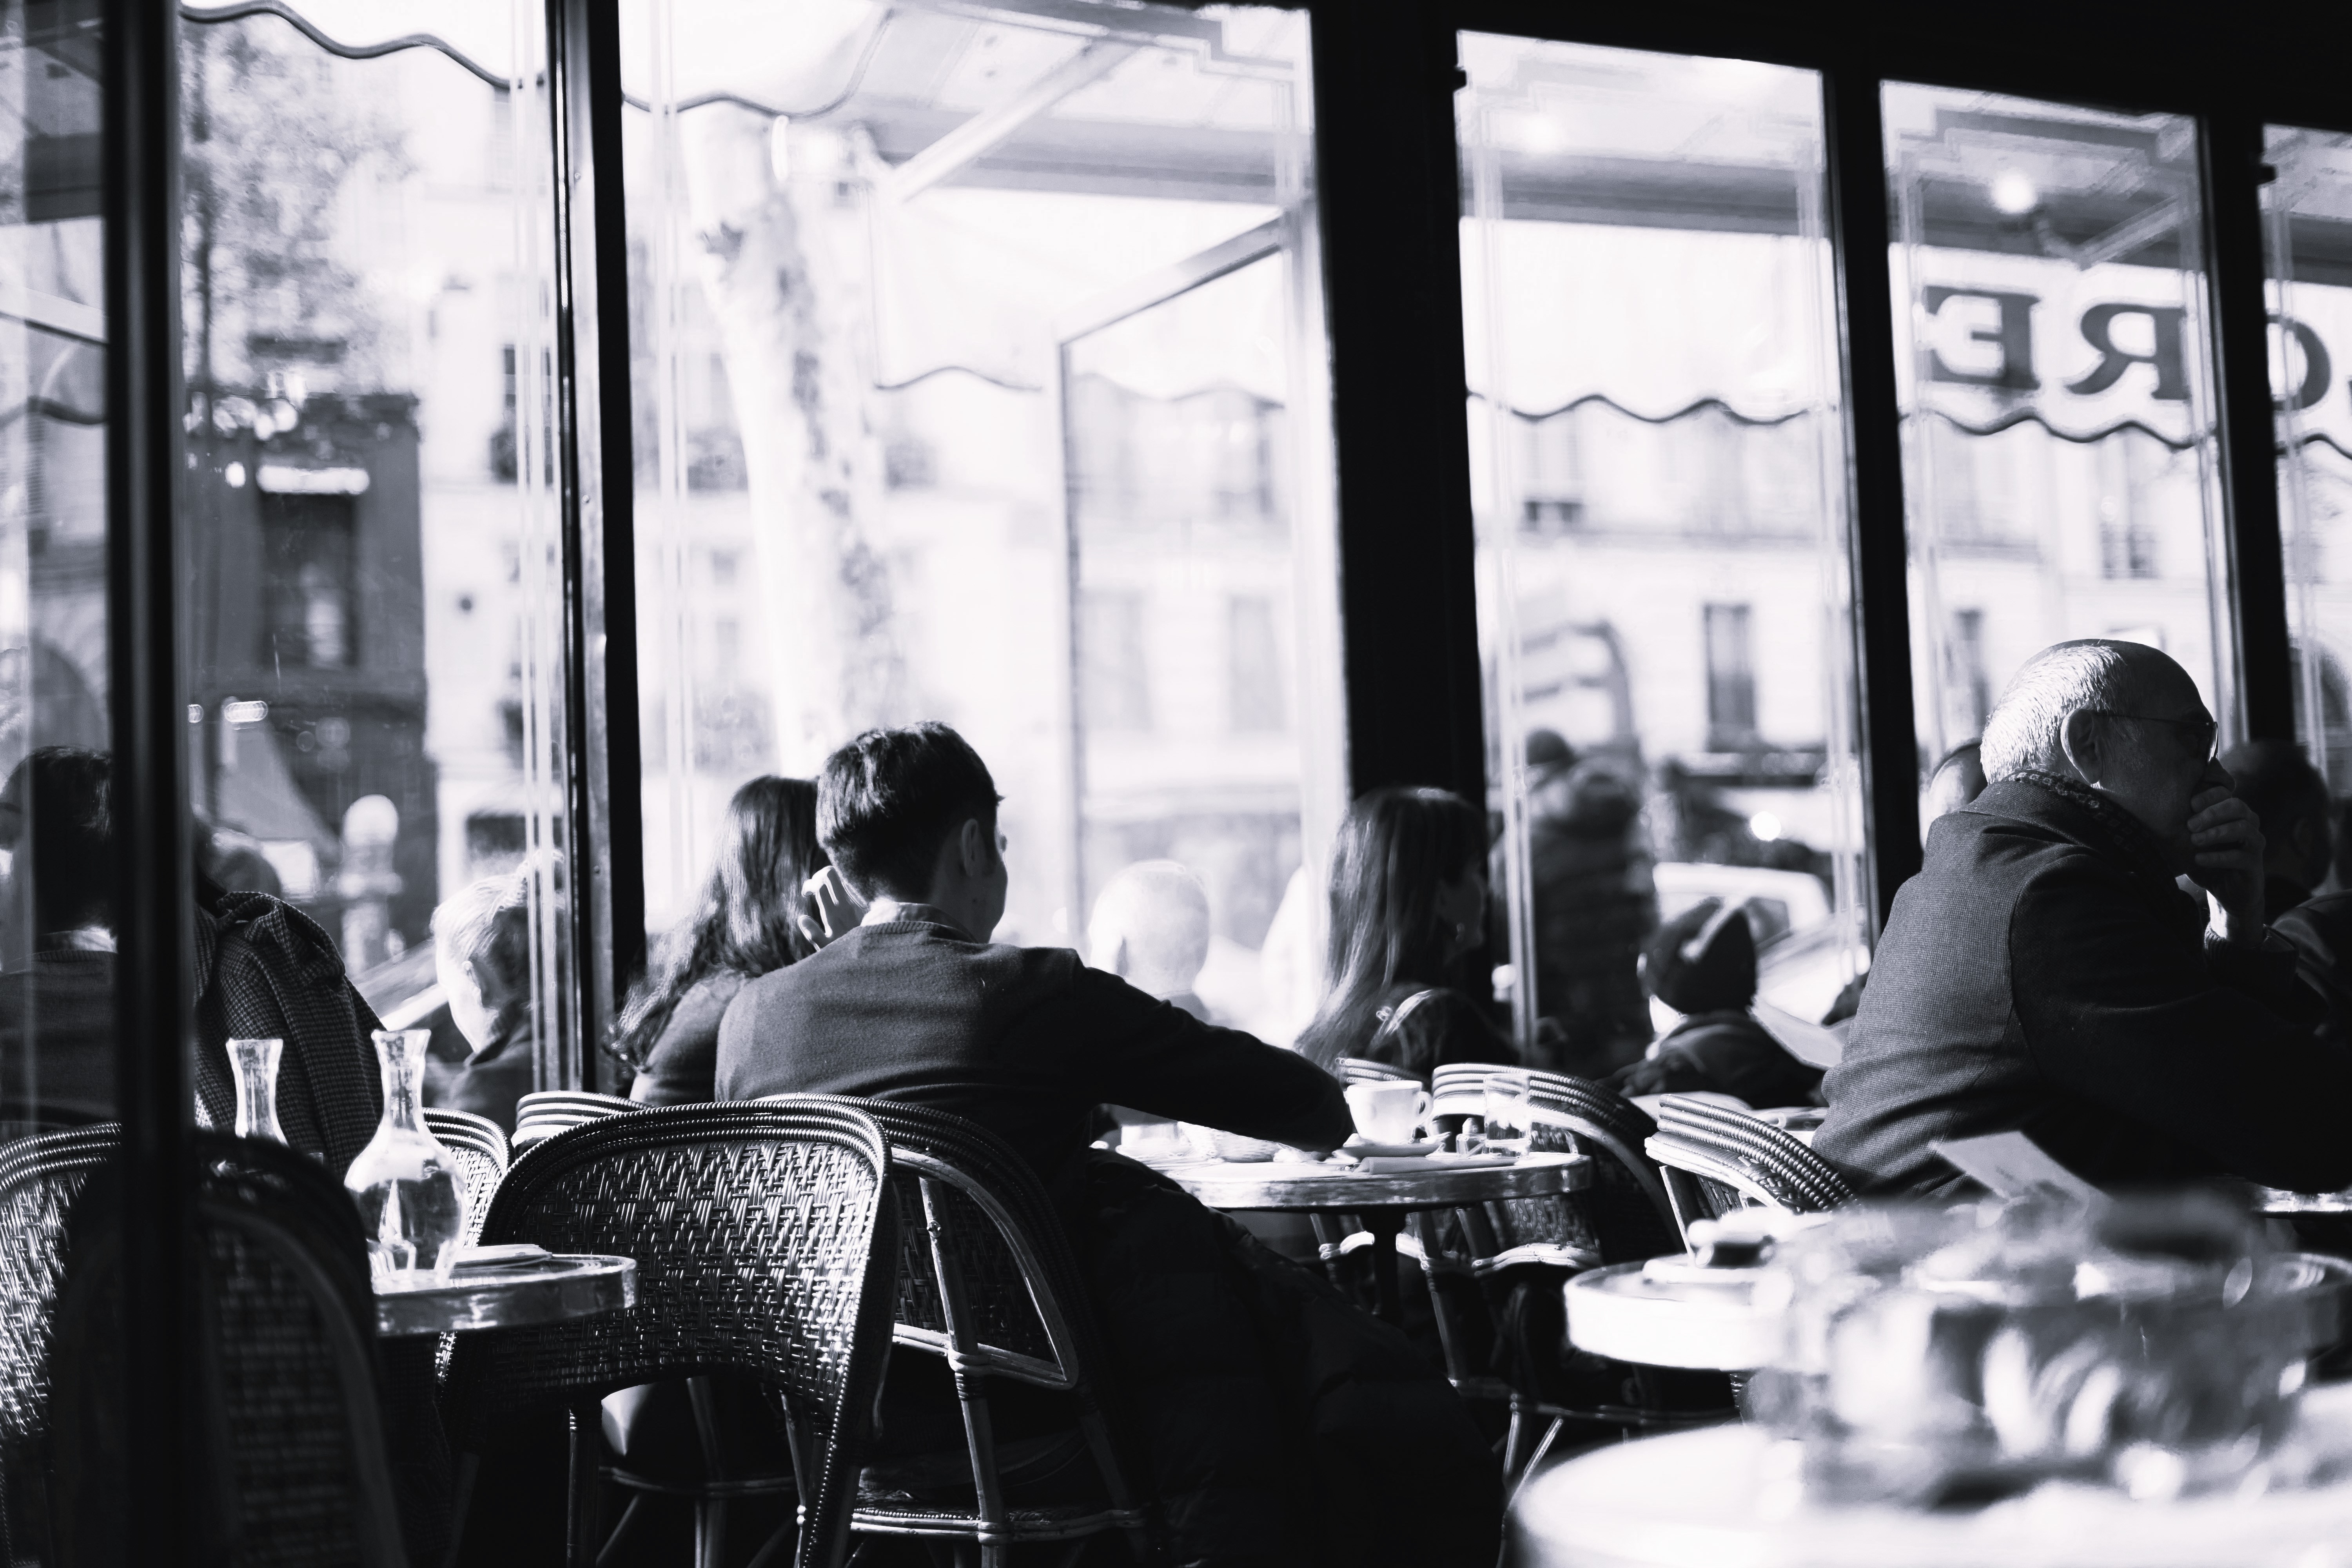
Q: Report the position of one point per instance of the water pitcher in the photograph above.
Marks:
(411, 1200)
(255, 1065)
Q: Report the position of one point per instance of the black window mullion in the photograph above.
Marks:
(1389, 195)
(154, 990)
(2231, 151)
(605, 773)
(1859, 230)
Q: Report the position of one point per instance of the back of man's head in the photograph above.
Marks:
(1151, 927)
(889, 799)
(2093, 674)
(2278, 782)
(61, 798)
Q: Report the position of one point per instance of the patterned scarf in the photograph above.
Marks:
(2128, 836)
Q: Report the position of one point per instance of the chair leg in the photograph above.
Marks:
(620, 1530)
(781, 1541)
(710, 1532)
(1550, 1433)
(1511, 1435)
(580, 1502)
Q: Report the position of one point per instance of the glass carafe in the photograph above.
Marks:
(411, 1200)
(255, 1065)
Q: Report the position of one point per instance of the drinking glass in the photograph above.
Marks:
(1511, 1113)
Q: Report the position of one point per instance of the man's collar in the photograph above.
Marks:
(2118, 831)
(887, 910)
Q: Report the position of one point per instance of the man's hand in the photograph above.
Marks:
(831, 909)
(2226, 840)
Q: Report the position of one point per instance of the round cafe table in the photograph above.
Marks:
(568, 1285)
(1730, 1495)
(1706, 1319)
(1382, 1200)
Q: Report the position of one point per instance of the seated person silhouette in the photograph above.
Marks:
(481, 953)
(1150, 928)
(1702, 963)
(56, 931)
(2044, 972)
(1279, 1423)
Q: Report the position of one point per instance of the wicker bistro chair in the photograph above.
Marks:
(1357, 1069)
(989, 1282)
(550, 1112)
(1625, 1216)
(40, 1178)
(293, 1420)
(453, 1127)
(765, 1248)
(1717, 1160)
(482, 1159)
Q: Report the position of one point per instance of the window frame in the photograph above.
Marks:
(2177, 60)
(1384, 81)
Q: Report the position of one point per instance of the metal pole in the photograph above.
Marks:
(597, 476)
(148, 709)
(1859, 235)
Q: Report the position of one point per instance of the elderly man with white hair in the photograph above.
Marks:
(2044, 974)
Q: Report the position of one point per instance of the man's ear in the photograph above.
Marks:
(2081, 738)
(973, 844)
(1118, 959)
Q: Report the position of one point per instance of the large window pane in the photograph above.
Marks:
(2308, 213)
(1663, 581)
(56, 943)
(978, 361)
(374, 612)
(2054, 359)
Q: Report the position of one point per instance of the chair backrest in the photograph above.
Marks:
(987, 1276)
(453, 1127)
(40, 1179)
(479, 1171)
(765, 1247)
(1357, 1069)
(1632, 1215)
(293, 1424)
(572, 1099)
(1725, 1158)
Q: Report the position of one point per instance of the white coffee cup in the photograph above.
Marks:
(1388, 1112)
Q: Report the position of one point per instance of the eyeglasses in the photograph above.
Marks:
(2210, 729)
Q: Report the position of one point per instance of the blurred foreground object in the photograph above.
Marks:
(1934, 1356)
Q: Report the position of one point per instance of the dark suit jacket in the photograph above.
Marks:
(1026, 1041)
(2042, 973)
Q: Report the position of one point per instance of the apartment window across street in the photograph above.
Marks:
(1730, 679)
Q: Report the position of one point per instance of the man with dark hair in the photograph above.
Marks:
(1281, 1423)
(916, 1003)
(2044, 974)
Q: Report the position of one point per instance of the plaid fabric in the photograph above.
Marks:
(264, 968)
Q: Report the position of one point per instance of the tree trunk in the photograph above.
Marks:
(782, 272)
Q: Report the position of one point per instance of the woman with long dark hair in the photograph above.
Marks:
(1408, 919)
(745, 923)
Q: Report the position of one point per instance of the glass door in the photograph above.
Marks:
(2055, 371)
(1664, 585)
(979, 355)
(1201, 613)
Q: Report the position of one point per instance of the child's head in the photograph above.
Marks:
(1703, 960)
(481, 950)
(1150, 928)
